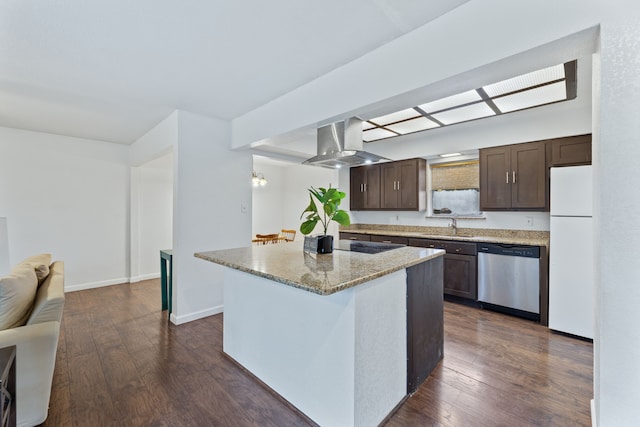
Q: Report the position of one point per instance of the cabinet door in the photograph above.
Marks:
(495, 182)
(407, 186)
(364, 187)
(388, 185)
(460, 276)
(571, 151)
(528, 176)
(356, 187)
(372, 187)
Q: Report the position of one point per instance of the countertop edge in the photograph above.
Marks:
(339, 287)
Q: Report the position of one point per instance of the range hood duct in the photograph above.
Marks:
(340, 144)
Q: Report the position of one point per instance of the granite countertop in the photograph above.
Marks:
(516, 237)
(323, 274)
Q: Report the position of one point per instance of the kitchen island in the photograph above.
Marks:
(344, 337)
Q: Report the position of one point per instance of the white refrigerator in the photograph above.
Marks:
(571, 261)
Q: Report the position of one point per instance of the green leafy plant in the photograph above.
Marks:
(329, 199)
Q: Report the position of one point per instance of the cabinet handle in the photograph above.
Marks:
(514, 177)
(394, 185)
(365, 187)
(507, 174)
(361, 188)
(458, 250)
(398, 185)
(353, 238)
(386, 241)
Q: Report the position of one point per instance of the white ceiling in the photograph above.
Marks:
(111, 70)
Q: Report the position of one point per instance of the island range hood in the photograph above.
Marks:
(340, 144)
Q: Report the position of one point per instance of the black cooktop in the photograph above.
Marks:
(365, 247)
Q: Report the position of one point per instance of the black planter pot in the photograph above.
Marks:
(319, 244)
(325, 244)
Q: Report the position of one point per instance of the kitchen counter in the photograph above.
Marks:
(322, 274)
(343, 337)
(489, 235)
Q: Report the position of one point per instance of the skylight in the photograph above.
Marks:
(542, 87)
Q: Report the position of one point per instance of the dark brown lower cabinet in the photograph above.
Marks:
(355, 236)
(460, 266)
(425, 325)
(460, 276)
(389, 239)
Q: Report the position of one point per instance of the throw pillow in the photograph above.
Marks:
(17, 293)
(40, 263)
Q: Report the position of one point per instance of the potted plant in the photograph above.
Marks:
(329, 199)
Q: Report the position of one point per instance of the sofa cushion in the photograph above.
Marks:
(40, 264)
(17, 293)
(49, 300)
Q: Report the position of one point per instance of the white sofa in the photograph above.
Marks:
(36, 344)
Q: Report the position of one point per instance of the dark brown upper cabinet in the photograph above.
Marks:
(365, 187)
(514, 177)
(397, 185)
(571, 151)
(404, 185)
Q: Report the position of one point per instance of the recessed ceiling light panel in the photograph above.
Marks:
(532, 98)
(409, 113)
(376, 133)
(366, 125)
(526, 80)
(463, 114)
(414, 125)
(451, 101)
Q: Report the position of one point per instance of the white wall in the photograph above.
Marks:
(213, 183)
(616, 203)
(69, 197)
(158, 141)
(279, 204)
(5, 265)
(151, 197)
(154, 205)
(267, 205)
(298, 179)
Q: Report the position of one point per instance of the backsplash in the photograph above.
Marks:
(530, 221)
(446, 231)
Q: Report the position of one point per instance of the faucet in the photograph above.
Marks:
(454, 225)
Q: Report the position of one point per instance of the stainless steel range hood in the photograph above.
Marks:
(340, 144)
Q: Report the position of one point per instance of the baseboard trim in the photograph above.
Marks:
(142, 277)
(92, 285)
(594, 420)
(185, 318)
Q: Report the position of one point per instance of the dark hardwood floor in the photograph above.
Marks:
(120, 363)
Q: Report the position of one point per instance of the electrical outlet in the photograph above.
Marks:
(530, 221)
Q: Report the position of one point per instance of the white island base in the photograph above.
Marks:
(341, 359)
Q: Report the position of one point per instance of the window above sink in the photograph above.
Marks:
(455, 189)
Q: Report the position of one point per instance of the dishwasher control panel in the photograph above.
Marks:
(510, 250)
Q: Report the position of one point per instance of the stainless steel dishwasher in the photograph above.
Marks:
(509, 276)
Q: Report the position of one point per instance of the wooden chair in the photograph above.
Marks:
(266, 239)
(288, 235)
